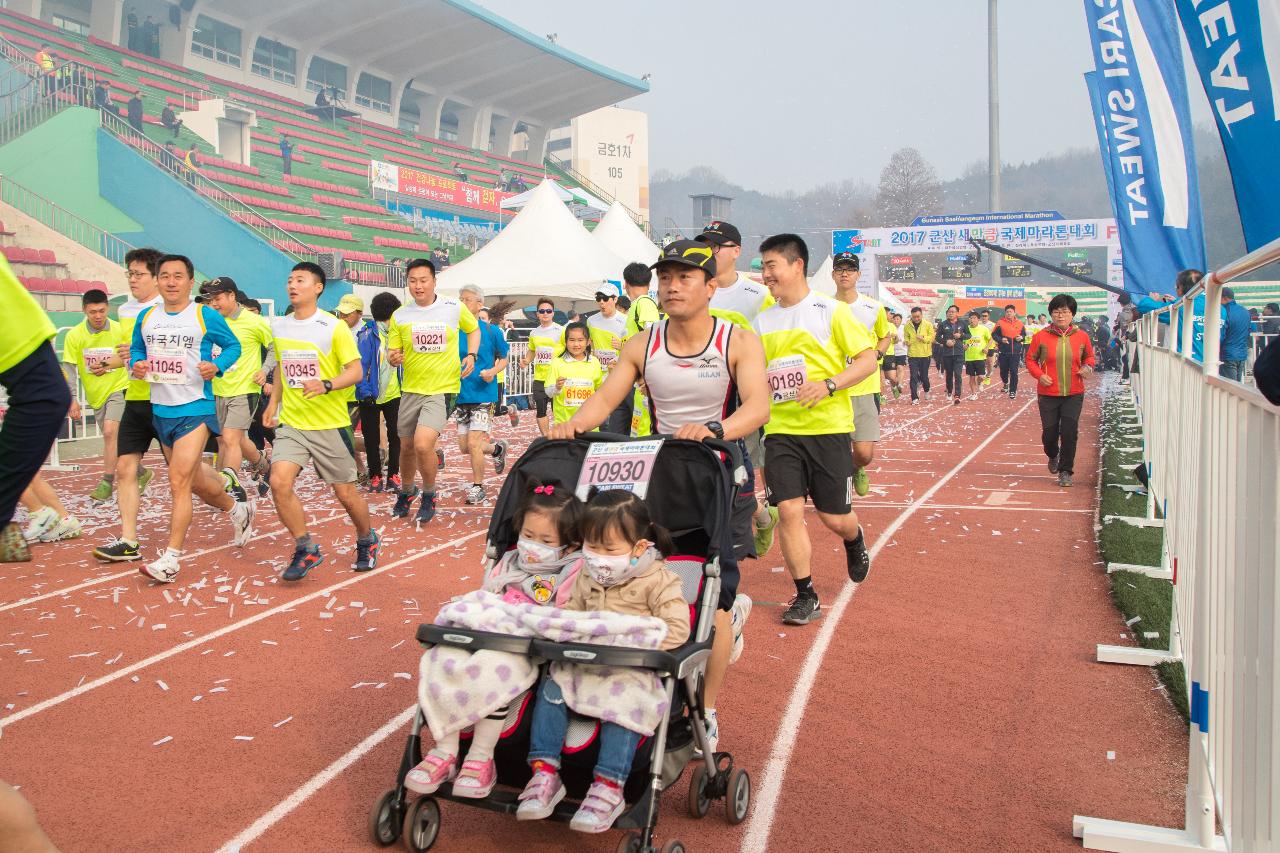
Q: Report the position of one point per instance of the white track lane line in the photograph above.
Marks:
(318, 781)
(287, 606)
(760, 825)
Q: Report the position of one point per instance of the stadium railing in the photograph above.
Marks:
(1210, 444)
(63, 221)
(588, 185)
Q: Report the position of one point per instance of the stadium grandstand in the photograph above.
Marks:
(229, 88)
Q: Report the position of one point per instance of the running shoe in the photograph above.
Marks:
(39, 523)
(713, 729)
(145, 476)
(539, 798)
(1004, 388)
(440, 458)
(67, 528)
(1053, 464)
(804, 609)
(362, 479)
(427, 508)
(1064, 479)
(242, 513)
(304, 560)
(957, 401)
(367, 552)
(475, 494)
(599, 809)
(375, 483)
(233, 486)
(403, 501)
(393, 483)
(165, 569)
(764, 534)
(499, 456)
(13, 545)
(897, 392)
(857, 558)
(264, 482)
(118, 551)
(738, 619)
(513, 416)
(861, 483)
(915, 402)
(102, 492)
(1013, 395)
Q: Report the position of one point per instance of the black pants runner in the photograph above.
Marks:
(390, 412)
(953, 369)
(1060, 419)
(38, 403)
(1009, 363)
(919, 373)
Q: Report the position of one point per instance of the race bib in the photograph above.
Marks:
(608, 358)
(299, 366)
(638, 416)
(626, 465)
(97, 355)
(430, 337)
(576, 392)
(542, 356)
(786, 375)
(167, 365)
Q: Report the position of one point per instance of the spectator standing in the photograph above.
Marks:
(286, 153)
(1237, 330)
(1059, 358)
(46, 61)
(151, 37)
(102, 98)
(131, 24)
(134, 110)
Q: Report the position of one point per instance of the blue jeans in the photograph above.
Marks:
(1232, 370)
(551, 724)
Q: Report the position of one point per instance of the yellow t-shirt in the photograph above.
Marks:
(429, 338)
(809, 341)
(643, 312)
(870, 314)
(23, 324)
(318, 347)
(254, 332)
(977, 343)
(545, 343)
(604, 332)
(641, 420)
(83, 346)
(582, 378)
(139, 389)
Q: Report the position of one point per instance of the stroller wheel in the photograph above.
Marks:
(738, 801)
(699, 799)
(673, 846)
(630, 843)
(422, 825)
(384, 819)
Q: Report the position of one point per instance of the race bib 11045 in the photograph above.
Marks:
(167, 365)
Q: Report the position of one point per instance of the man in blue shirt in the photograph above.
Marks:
(1237, 328)
(479, 395)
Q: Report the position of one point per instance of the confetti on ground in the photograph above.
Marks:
(161, 684)
(281, 723)
(243, 737)
(1134, 621)
(164, 739)
(1111, 755)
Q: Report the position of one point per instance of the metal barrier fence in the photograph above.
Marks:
(63, 221)
(519, 379)
(1210, 445)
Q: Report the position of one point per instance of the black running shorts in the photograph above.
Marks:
(819, 467)
(975, 368)
(137, 430)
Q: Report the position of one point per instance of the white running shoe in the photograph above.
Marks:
(475, 495)
(67, 528)
(713, 729)
(39, 523)
(164, 569)
(242, 513)
(738, 615)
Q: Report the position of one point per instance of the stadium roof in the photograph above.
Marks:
(453, 47)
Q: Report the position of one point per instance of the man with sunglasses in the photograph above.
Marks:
(607, 328)
(546, 341)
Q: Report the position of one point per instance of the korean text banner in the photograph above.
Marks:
(419, 184)
(1142, 90)
(1236, 47)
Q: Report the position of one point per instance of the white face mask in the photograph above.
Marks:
(608, 570)
(536, 553)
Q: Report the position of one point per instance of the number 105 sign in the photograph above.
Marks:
(627, 465)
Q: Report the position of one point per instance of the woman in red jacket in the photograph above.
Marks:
(1059, 358)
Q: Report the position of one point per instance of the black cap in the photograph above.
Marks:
(221, 284)
(848, 259)
(719, 233)
(689, 253)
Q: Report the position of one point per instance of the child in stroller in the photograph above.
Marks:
(690, 492)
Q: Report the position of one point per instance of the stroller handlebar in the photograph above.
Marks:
(731, 449)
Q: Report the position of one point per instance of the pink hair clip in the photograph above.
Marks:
(544, 490)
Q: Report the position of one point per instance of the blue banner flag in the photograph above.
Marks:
(1236, 47)
(1146, 140)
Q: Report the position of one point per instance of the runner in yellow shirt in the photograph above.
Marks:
(423, 338)
(976, 346)
(815, 351)
(317, 359)
(546, 341)
(608, 327)
(644, 308)
(89, 351)
(574, 376)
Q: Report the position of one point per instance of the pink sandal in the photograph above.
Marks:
(476, 780)
(431, 773)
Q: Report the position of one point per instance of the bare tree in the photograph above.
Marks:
(909, 188)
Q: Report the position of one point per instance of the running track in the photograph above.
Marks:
(950, 704)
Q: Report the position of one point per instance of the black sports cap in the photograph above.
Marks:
(848, 259)
(689, 253)
(720, 233)
(221, 284)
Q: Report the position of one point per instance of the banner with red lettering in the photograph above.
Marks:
(430, 187)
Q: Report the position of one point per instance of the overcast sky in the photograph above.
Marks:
(783, 96)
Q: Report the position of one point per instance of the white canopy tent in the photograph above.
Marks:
(543, 251)
(576, 195)
(619, 233)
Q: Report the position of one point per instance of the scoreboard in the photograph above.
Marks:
(1015, 270)
(952, 271)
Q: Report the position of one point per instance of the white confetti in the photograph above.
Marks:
(1111, 755)
(164, 739)
(161, 684)
(1134, 621)
(243, 737)
(281, 723)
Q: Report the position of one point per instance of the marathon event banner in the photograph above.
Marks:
(1147, 143)
(1236, 47)
(415, 183)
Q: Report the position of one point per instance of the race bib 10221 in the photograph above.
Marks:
(430, 337)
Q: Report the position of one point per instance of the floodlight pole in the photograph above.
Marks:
(993, 127)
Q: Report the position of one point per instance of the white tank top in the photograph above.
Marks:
(696, 389)
(174, 345)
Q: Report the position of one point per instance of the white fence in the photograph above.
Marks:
(1210, 445)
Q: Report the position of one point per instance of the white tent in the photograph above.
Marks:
(619, 233)
(543, 251)
(576, 195)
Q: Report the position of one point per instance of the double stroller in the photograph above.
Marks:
(690, 493)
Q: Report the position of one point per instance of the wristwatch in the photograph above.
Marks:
(717, 429)
(470, 355)
(831, 388)
(328, 386)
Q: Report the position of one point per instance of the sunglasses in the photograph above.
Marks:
(546, 310)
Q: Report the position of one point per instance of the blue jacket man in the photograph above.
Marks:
(1237, 330)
